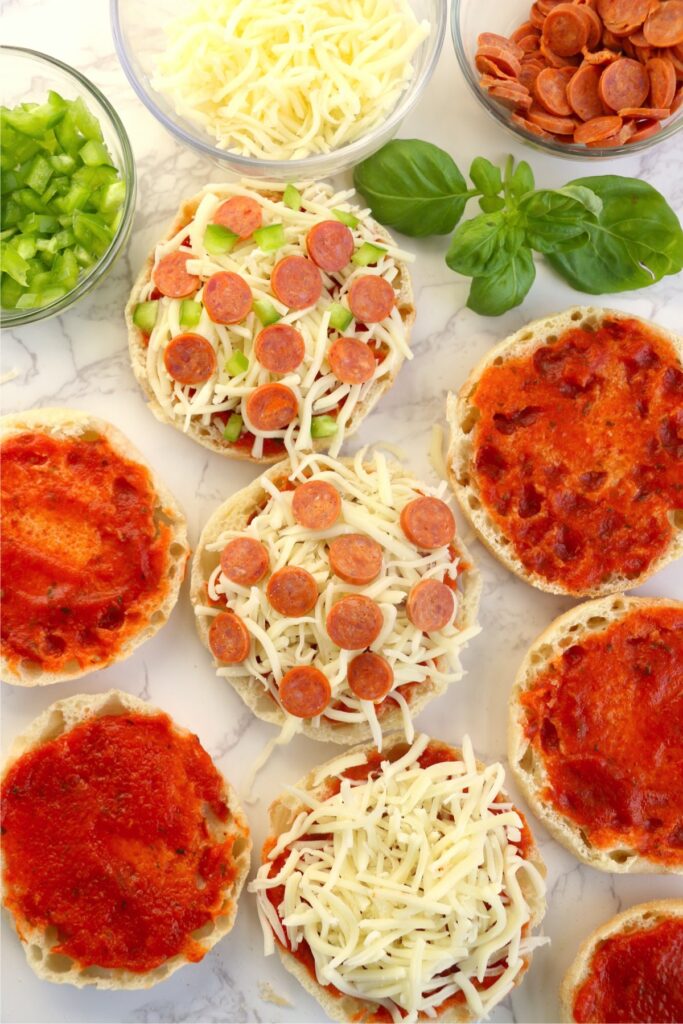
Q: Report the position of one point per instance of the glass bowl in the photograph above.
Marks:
(27, 77)
(139, 38)
(468, 19)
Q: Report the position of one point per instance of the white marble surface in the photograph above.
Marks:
(81, 360)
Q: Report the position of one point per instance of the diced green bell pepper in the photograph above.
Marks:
(190, 313)
(233, 428)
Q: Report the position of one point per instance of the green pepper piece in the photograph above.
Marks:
(323, 426)
(90, 230)
(190, 313)
(10, 291)
(219, 240)
(62, 163)
(13, 264)
(94, 154)
(237, 363)
(367, 253)
(145, 315)
(266, 312)
(291, 197)
(112, 196)
(270, 238)
(347, 218)
(26, 246)
(39, 175)
(233, 428)
(87, 124)
(340, 316)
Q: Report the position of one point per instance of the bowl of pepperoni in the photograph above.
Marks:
(585, 78)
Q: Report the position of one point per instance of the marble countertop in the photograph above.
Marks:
(81, 360)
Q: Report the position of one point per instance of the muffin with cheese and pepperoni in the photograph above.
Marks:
(335, 596)
(270, 320)
(402, 885)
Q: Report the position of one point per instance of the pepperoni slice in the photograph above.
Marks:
(664, 26)
(370, 676)
(271, 407)
(190, 359)
(351, 361)
(511, 94)
(229, 638)
(296, 282)
(371, 299)
(653, 113)
(625, 83)
(280, 348)
(355, 558)
(583, 92)
(555, 125)
(244, 560)
(430, 605)
(354, 622)
(594, 25)
(305, 691)
(171, 277)
(493, 69)
(428, 523)
(597, 129)
(511, 44)
(550, 89)
(241, 215)
(623, 16)
(644, 130)
(227, 297)
(529, 126)
(565, 31)
(330, 245)
(503, 58)
(292, 591)
(316, 505)
(662, 76)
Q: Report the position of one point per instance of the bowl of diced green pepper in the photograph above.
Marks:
(67, 186)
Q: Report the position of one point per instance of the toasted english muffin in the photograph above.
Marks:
(80, 780)
(75, 494)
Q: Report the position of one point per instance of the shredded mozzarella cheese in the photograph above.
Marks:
(282, 79)
(409, 887)
(317, 389)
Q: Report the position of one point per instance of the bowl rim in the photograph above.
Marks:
(571, 150)
(15, 318)
(301, 169)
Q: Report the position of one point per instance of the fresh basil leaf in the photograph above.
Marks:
(496, 293)
(586, 196)
(486, 176)
(521, 180)
(491, 204)
(554, 219)
(513, 238)
(477, 247)
(635, 240)
(413, 186)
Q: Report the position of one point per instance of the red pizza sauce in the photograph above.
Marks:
(105, 839)
(578, 449)
(83, 558)
(434, 753)
(607, 719)
(635, 977)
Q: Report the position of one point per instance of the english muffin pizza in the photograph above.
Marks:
(596, 719)
(402, 886)
(124, 849)
(94, 547)
(270, 319)
(566, 451)
(630, 969)
(336, 596)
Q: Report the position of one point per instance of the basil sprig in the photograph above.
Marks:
(602, 234)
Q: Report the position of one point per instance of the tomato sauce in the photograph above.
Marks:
(634, 977)
(607, 719)
(105, 838)
(578, 452)
(83, 558)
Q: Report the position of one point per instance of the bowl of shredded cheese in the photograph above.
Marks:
(280, 88)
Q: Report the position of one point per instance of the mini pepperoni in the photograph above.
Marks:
(428, 523)
(354, 622)
(355, 558)
(292, 591)
(227, 297)
(597, 129)
(554, 59)
(529, 126)
(241, 215)
(662, 76)
(271, 407)
(280, 348)
(316, 505)
(330, 245)
(529, 74)
(511, 94)
(583, 92)
(244, 560)
(623, 16)
(171, 277)
(664, 26)
(644, 130)
(296, 282)
(351, 361)
(229, 638)
(594, 25)
(524, 29)
(530, 43)
(371, 299)
(493, 39)
(430, 605)
(600, 57)
(565, 31)
(490, 69)
(370, 676)
(190, 358)
(503, 59)
(305, 691)
(625, 83)
(552, 124)
(654, 113)
(550, 89)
